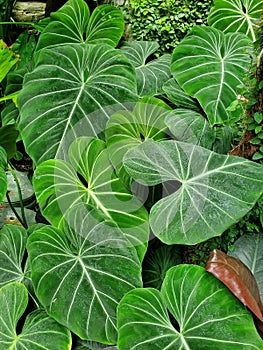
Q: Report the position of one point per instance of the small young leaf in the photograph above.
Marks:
(258, 129)
(255, 141)
(257, 155)
(258, 116)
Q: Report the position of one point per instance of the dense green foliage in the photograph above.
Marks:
(167, 22)
(112, 163)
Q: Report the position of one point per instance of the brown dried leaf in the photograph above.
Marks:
(238, 278)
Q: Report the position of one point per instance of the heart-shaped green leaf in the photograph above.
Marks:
(192, 311)
(249, 249)
(209, 65)
(178, 96)
(71, 93)
(150, 75)
(216, 190)
(72, 23)
(236, 16)
(12, 248)
(3, 179)
(89, 180)
(80, 277)
(190, 126)
(39, 330)
(126, 130)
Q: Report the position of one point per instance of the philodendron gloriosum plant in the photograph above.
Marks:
(102, 148)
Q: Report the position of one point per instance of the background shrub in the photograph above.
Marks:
(167, 22)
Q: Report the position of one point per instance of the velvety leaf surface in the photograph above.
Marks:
(249, 249)
(126, 130)
(209, 65)
(190, 126)
(238, 278)
(80, 277)
(192, 311)
(236, 16)
(3, 179)
(71, 92)
(39, 331)
(178, 96)
(213, 191)
(150, 75)
(72, 23)
(12, 248)
(89, 180)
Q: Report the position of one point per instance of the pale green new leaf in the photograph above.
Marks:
(126, 130)
(190, 126)
(215, 190)
(249, 249)
(241, 16)
(3, 179)
(193, 311)
(150, 75)
(209, 65)
(72, 23)
(80, 277)
(39, 331)
(89, 180)
(71, 92)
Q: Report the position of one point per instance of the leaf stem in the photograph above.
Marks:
(23, 221)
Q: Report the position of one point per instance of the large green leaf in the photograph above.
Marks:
(80, 277)
(126, 130)
(193, 311)
(190, 126)
(89, 180)
(39, 330)
(249, 249)
(150, 75)
(178, 96)
(215, 192)
(3, 179)
(71, 93)
(72, 23)
(209, 65)
(236, 16)
(12, 248)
